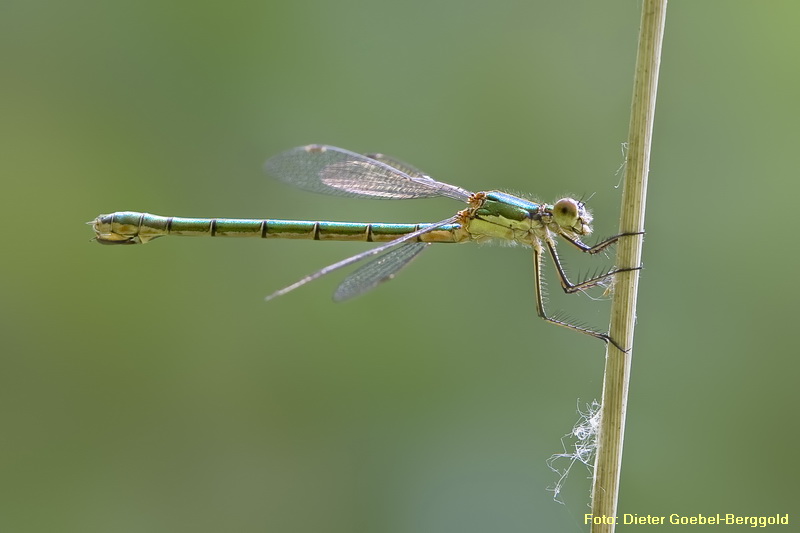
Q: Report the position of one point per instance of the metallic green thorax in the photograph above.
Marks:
(502, 216)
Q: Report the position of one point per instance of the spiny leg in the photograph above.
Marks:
(572, 288)
(537, 274)
(600, 246)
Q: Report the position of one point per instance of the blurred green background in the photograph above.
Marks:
(150, 388)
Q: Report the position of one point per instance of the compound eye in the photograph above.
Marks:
(565, 212)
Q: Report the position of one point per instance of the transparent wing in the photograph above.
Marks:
(330, 170)
(375, 272)
(411, 170)
(363, 255)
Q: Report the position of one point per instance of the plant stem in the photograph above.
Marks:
(623, 308)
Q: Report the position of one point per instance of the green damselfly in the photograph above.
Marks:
(338, 172)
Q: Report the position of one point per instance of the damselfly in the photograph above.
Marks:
(338, 172)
